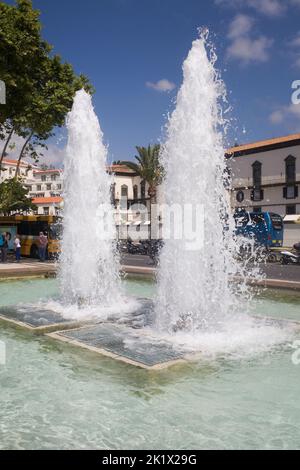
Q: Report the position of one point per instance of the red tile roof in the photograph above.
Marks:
(47, 200)
(121, 168)
(10, 161)
(264, 143)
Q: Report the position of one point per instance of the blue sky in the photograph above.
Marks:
(127, 47)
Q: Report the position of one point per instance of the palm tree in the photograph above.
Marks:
(148, 167)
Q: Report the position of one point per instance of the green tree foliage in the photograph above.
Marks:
(148, 167)
(14, 197)
(40, 87)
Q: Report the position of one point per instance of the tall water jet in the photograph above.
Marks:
(194, 289)
(89, 268)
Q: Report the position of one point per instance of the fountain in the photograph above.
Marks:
(194, 288)
(198, 307)
(89, 268)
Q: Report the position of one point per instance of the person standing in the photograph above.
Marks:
(17, 245)
(4, 248)
(1, 245)
(43, 242)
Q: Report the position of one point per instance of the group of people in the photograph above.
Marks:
(5, 238)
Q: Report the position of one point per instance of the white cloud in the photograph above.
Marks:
(295, 45)
(296, 41)
(277, 117)
(268, 7)
(241, 24)
(244, 46)
(162, 85)
(250, 50)
(271, 8)
(286, 114)
(53, 156)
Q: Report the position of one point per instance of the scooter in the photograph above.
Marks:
(289, 257)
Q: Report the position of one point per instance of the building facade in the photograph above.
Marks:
(45, 189)
(8, 169)
(266, 175)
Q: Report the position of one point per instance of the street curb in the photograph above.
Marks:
(131, 271)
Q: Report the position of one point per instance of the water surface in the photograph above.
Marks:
(55, 396)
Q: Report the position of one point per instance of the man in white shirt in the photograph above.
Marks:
(17, 245)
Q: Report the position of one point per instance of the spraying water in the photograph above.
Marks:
(89, 266)
(194, 289)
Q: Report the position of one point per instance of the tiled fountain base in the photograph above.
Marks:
(43, 320)
(123, 343)
(36, 319)
(125, 339)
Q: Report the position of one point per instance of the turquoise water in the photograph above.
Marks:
(56, 396)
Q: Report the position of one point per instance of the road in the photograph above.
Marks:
(33, 267)
(272, 270)
(286, 272)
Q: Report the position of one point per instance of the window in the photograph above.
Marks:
(290, 169)
(113, 194)
(124, 197)
(46, 210)
(48, 187)
(291, 209)
(32, 228)
(257, 193)
(143, 189)
(290, 191)
(277, 221)
(43, 178)
(29, 188)
(256, 173)
(38, 187)
(240, 196)
(124, 190)
(53, 177)
(135, 192)
(58, 186)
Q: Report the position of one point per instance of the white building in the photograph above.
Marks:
(129, 195)
(9, 168)
(45, 186)
(45, 189)
(266, 175)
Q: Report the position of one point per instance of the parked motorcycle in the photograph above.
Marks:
(152, 249)
(291, 257)
(133, 248)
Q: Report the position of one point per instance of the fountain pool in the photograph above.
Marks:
(56, 396)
